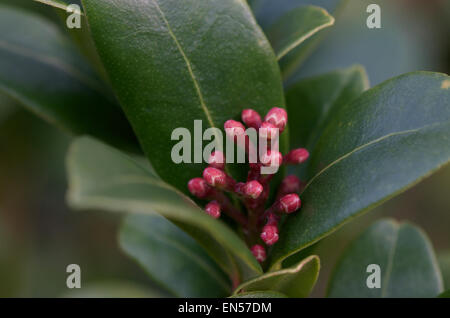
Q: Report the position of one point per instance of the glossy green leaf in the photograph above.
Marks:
(54, 3)
(311, 102)
(172, 62)
(267, 12)
(408, 266)
(293, 28)
(375, 147)
(59, 85)
(80, 36)
(260, 294)
(172, 258)
(296, 281)
(101, 177)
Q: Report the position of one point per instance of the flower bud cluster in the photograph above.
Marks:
(259, 221)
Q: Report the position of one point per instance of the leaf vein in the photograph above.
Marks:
(188, 65)
(348, 154)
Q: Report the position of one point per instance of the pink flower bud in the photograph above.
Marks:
(199, 188)
(272, 158)
(234, 128)
(251, 118)
(268, 130)
(213, 209)
(217, 160)
(289, 203)
(296, 156)
(217, 178)
(259, 252)
(269, 234)
(253, 189)
(277, 117)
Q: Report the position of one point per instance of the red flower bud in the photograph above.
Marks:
(251, 118)
(217, 160)
(289, 203)
(213, 209)
(234, 128)
(272, 158)
(269, 234)
(277, 117)
(253, 189)
(217, 178)
(199, 188)
(259, 252)
(268, 130)
(296, 156)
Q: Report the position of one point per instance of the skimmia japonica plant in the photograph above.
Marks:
(136, 71)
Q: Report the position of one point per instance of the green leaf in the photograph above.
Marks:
(268, 12)
(408, 266)
(294, 27)
(172, 62)
(80, 36)
(41, 70)
(172, 258)
(375, 147)
(260, 294)
(296, 281)
(311, 102)
(101, 177)
(445, 294)
(55, 3)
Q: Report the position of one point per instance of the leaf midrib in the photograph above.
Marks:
(391, 256)
(188, 66)
(304, 37)
(361, 147)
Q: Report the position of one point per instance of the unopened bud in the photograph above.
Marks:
(217, 160)
(251, 118)
(272, 158)
(253, 189)
(234, 128)
(277, 117)
(213, 209)
(296, 156)
(199, 188)
(269, 234)
(218, 178)
(289, 203)
(259, 252)
(268, 130)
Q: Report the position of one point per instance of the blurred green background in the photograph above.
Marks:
(40, 236)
